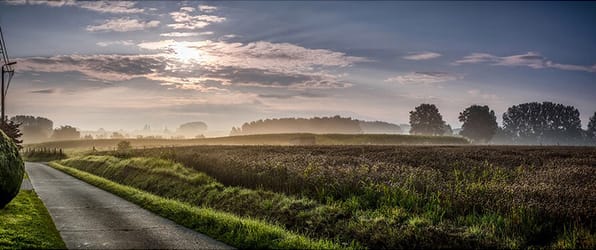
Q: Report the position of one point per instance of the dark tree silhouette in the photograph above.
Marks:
(317, 125)
(66, 133)
(192, 129)
(34, 129)
(592, 127)
(426, 120)
(11, 129)
(543, 123)
(479, 123)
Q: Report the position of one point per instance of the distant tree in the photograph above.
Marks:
(116, 135)
(447, 130)
(66, 133)
(317, 125)
(34, 129)
(592, 127)
(426, 120)
(124, 146)
(88, 137)
(191, 128)
(479, 123)
(11, 129)
(547, 122)
(379, 127)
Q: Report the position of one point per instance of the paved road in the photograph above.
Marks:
(88, 217)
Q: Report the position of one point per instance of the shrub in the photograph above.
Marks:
(11, 170)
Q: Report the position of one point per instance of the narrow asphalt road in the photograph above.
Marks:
(89, 217)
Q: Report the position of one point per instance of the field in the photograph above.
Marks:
(380, 196)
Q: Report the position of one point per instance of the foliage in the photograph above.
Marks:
(11, 170)
(66, 133)
(124, 146)
(426, 120)
(26, 224)
(543, 123)
(479, 123)
(237, 231)
(35, 129)
(43, 154)
(11, 129)
(592, 127)
(317, 125)
(382, 197)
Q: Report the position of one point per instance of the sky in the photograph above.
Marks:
(121, 65)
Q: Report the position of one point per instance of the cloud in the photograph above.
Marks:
(530, 59)
(115, 7)
(123, 25)
(292, 95)
(43, 91)
(184, 20)
(111, 43)
(207, 8)
(209, 66)
(185, 34)
(187, 9)
(423, 78)
(417, 56)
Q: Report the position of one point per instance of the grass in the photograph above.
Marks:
(26, 224)
(386, 206)
(241, 232)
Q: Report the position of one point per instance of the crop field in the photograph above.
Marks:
(380, 196)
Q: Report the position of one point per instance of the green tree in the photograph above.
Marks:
(124, 146)
(546, 122)
(11, 129)
(34, 129)
(426, 120)
(11, 169)
(479, 123)
(592, 127)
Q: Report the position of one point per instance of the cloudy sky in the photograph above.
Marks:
(126, 64)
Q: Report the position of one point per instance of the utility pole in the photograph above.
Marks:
(7, 69)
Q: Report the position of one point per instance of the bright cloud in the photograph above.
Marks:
(530, 59)
(209, 66)
(184, 20)
(207, 8)
(423, 78)
(417, 56)
(123, 25)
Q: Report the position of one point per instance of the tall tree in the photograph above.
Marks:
(426, 120)
(546, 122)
(479, 123)
(34, 129)
(592, 127)
(11, 129)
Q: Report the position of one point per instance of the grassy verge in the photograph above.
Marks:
(26, 224)
(231, 229)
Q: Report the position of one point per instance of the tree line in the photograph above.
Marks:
(315, 125)
(527, 123)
